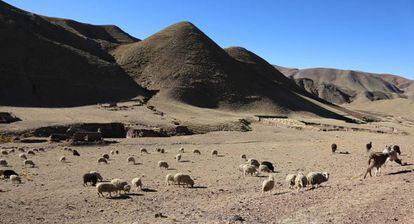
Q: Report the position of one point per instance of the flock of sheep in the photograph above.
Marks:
(251, 167)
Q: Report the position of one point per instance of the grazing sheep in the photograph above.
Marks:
(35, 150)
(127, 188)
(112, 152)
(241, 169)
(22, 156)
(369, 146)
(116, 152)
(102, 160)
(249, 169)
(377, 160)
(4, 152)
(41, 150)
(15, 179)
(3, 162)
(334, 147)
(106, 156)
(20, 149)
(30, 152)
(183, 179)
(7, 173)
(268, 184)
(181, 150)
(143, 150)
(301, 181)
(98, 175)
(243, 156)
(75, 153)
(317, 178)
(214, 152)
(253, 162)
(131, 160)
(29, 162)
(269, 165)
(393, 150)
(62, 159)
(178, 157)
(196, 151)
(11, 151)
(119, 184)
(137, 183)
(90, 178)
(106, 188)
(169, 178)
(264, 169)
(290, 180)
(163, 164)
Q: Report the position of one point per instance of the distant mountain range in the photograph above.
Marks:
(345, 86)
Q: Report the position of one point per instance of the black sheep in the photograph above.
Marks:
(369, 146)
(334, 147)
(8, 173)
(90, 178)
(76, 153)
(269, 165)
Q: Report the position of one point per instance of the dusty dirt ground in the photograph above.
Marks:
(52, 192)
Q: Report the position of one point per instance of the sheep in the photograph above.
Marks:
(317, 178)
(163, 164)
(20, 149)
(183, 179)
(3, 162)
(75, 153)
(369, 146)
(131, 160)
(22, 156)
(290, 180)
(35, 150)
(11, 151)
(392, 150)
(15, 179)
(376, 160)
(112, 152)
(196, 151)
(29, 162)
(253, 162)
(116, 152)
(334, 147)
(214, 152)
(143, 150)
(169, 178)
(268, 184)
(243, 156)
(98, 175)
(269, 165)
(181, 150)
(30, 152)
(264, 169)
(106, 156)
(137, 183)
(102, 160)
(41, 150)
(241, 168)
(178, 157)
(107, 188)
(249, 169)
(127, 188)
(119, 184)
(300, 181)
(62, 159)
(4, 152)
(7, 173)
(90, 178)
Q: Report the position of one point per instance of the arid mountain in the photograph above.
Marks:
(404, 84)
(44, 64)
(344, 86)
(185, 65)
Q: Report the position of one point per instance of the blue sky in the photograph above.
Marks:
(367, 35)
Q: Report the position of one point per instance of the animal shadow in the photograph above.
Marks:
(148, 190)
(199, 187)
(134, 194)
(400, 172)
(185, 161)
(120, 197)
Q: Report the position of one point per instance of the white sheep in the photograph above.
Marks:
(15, 179)
(163, 164)
(301, 181)
(102, 160)
(106, 188)
(119, 184)
(183, 179)
(264, 169)
(11, 151)
(268, 184)
(62, 159)
(290, 180)
(131, 160)
(3, 162)
(137, 183)
(178, 157)
(181, 150)
(127, 188)
(317, 178)
(29, 162)
(22, 156)
(112, 152)
(196, 151)
(249, 169)
(214, 152)
(169, 178)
